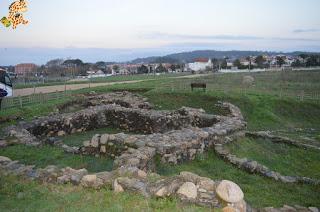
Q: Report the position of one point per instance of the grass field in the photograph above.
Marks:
(262, 108)
(19, 195)
(288, 160)
(47, 155)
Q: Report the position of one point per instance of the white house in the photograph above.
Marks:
(200, 64)
(124, 71)
(95, 74)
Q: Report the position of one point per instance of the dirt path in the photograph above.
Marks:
(193, 76)
(51, 89)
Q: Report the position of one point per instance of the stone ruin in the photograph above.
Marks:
(174, 136)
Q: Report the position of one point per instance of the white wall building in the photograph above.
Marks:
(200, 64)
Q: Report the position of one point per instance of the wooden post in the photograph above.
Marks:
(20, 101)
(302, 95)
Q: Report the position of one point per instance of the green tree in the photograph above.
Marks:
(280, 61)
(296, 63)
(224, 64)
(313, 60)
(76, 62)
(237, 64)
(161, 69)
(260, 61)
(215, 63)
(115, 68)
(143, 69)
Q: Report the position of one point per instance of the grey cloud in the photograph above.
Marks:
(305, 30)
(166, 36)
(159, 35)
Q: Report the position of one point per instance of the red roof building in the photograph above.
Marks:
(202, 60)
(25, 68)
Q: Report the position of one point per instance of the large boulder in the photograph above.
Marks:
(188, 191)
(229, 192)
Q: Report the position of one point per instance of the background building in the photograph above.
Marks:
(25, 69)
(200, 64)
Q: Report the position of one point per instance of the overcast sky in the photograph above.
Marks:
(167, 25)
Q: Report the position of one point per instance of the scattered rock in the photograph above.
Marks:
(3, 143)
(61, 133)
(71, 150)
(229, 209)
(78, 175)
(162, 192)
(4, 159)
(188, 190)
(91, 181)
(207, 184)
(117, 188)
(313, 209)
(133, 185)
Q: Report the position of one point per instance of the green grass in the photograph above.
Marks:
(262, 109)
(259, 191)
(272, 83)
(30, 112)
(77, 139)
(262, 112)
(47, 155)
(288, 160)
(19, 195)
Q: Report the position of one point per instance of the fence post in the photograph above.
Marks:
(302, 95)
(41, 98)
(20, 101)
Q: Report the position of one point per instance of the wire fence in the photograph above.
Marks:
(300, 95)
(302, 86)
(37, 98)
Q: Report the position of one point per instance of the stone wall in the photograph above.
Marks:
(188, 187)
(280, 139)
(255, 167)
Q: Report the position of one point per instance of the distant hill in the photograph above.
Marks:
(185, 57)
